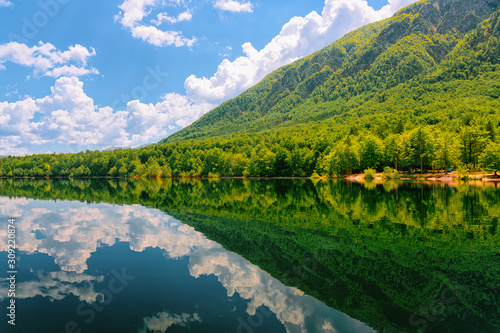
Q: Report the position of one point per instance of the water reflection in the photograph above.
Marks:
(55, 286)
(388, 254)
(162, 321)
(72, 231)
(86, 241)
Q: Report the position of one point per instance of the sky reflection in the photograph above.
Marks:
(72, 232)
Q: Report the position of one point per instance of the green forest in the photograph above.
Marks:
(382, 254)
(277, 154)
(418, 91)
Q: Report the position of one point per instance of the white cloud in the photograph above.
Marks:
(57, 286)
(157, 37)
(15, 126)
(328, 327)
(13, 145)
(133, 13)
(184, 16)
(161, 322)
(74, 231)
(69, 116)
(5, 3)
(234, 6)
(164, 17)
(46, 60)
(71, 70)
(174, 109)
(14, 117)
(299, 37)
(298, 312)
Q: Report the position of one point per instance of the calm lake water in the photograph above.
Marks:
(251, 256)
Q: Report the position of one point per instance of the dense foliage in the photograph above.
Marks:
(280, 153)
(417, 91)
(383, 254)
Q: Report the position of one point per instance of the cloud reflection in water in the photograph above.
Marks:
(73, 231)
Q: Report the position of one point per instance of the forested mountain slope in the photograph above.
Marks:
(429, 63)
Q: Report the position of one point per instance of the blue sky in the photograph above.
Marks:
(78, 75)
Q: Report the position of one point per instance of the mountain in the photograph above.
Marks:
(405, 67)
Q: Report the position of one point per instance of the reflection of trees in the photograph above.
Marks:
(325, 206)
(381, 253)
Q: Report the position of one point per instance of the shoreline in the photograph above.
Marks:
(428, 177)
(451, 179)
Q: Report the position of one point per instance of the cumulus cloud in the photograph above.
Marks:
(15, 126)
(15, 117)
(164, 17)
(71, 70)
(56, 286)
(298, 312)
(173, 109)
(73, 232)
(68, 116)
(132, 14)
(46, 60)
(5, 3)
(299, 37)
(12, 145)
(162, 321)
(234, 6)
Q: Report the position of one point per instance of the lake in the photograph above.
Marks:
(251, 256)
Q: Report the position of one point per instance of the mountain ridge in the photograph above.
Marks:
(283, 90)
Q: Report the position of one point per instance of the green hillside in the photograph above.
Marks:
(409, 66)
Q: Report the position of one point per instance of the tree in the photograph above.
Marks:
(175, 162)
(46, 169)
(343, 158)
(446, 151)
(99, 166)
(136, 168)
(371, 152)
(265, 163)
(473, 140)
(113, 172)
(212, 161)
(281, 162)
(490, 158)
(238, 163)
(490, 129)
(422, 148)
(81, 171)
(166, 172)
(153, 169)
(400, 127)
(393, 150)
(299, 162)
(122, 172)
